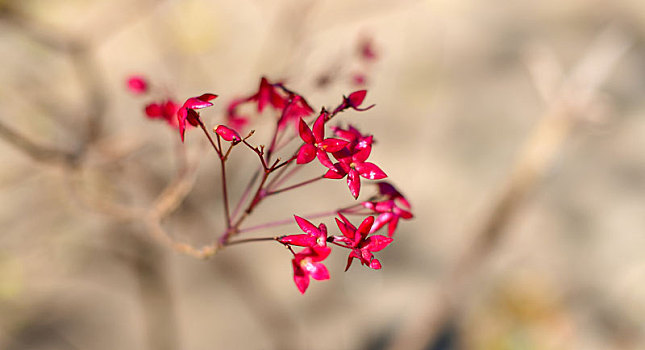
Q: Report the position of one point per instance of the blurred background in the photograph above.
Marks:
(516, 130)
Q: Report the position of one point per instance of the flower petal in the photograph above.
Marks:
(306, 154)
(324, 159)
(391, 227)
(319, 127)
(365, 226)
(227, 133)
(354, 183)
(305, 133)
(370, 171)
(380, 221)
(154, 110)
(137, 84)
(299, 240)
(332, 145)
(318, 271)
(306, 226)
(300, 277)
(196, 103)
(346, 230)
(356, 98)
(375, 264)
(377, 242)
(350, 258)
(336, 172)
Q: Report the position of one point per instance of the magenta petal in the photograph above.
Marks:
(300, 278)
(137, 84)
(356, 98)
(227, 133)
(306, 154)
(332, 145)
(324, 159)
(391, 227)
(345, 230)
(320, 253)
(377, 242)
(350, 259)
(365, 226)
(380, 221)
(375, 264)
(196, 103)
(354, 183)
(318, 271)
(305, 133)
(319, 127)
(306, 226)
(207, 97)
(154, 110)
(299, 240)
(336, 172)
(370, 171)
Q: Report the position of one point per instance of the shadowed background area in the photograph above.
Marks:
(516, 131)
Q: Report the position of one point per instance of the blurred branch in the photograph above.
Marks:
(534, 160)
(36, 151)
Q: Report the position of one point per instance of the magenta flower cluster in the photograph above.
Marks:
(343, 154)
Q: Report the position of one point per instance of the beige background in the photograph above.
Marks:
(459, 86)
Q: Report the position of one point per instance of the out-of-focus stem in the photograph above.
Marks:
(300, 184)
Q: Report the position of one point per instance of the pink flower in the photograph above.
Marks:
(315, 142)
(188, 114)
(389, 213)
(353, 101)
(165, 110)
(362, 246)
(296, 109)
(268, 94)
(307, 263)
(352, 161)
(366, 49)
(137, 84)
(227, 133)
(313, 237)
(390, 192)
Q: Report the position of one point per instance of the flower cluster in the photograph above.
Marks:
(344, 155)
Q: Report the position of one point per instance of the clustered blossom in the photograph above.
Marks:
(345, 155)
(188, 114)
(291, 105)
(315, 142)
(393, 207)
(165, 108)
(352, 160)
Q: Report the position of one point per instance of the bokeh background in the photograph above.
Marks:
(546, 256)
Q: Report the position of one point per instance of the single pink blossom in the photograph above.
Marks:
(315, 142)
(137, 84)
(388, 213)
(227, 133)
(366, 49)
(362, 247)
(268, 94)
(188, 114)
(388, 190)
(307, 263)
(296, 108)
(165, 110)
(354, 101)
(313, 237)
(352, 161)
